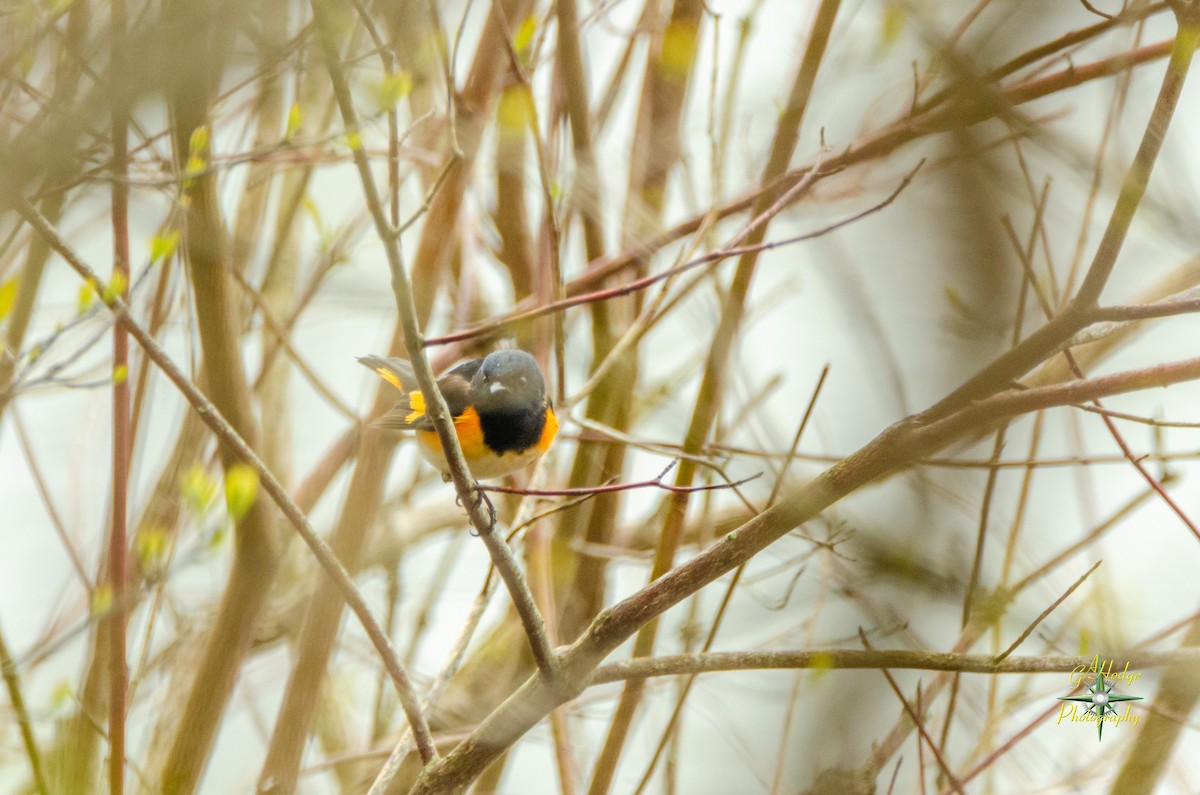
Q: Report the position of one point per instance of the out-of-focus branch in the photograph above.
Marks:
(857, 659)
(238, 447)
(877, 146)
(257, 542)
(1046, 340)
(965, 411)
(898, 447)
(16, 697)
(118, 541)
(733, 249)
(708, 398)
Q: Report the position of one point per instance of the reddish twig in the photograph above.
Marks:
(1136, 462)
(723, 608)
(1009, 744)
(638, 285)
(916, 719)
(588, 491)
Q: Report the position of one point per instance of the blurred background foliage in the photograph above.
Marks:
(528, 152)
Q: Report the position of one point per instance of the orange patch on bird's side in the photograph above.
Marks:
(469, 433)
(549, 431)
(416, 404)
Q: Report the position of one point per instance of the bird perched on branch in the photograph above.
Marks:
(502, 416)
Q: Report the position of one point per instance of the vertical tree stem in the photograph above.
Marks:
(117, 542)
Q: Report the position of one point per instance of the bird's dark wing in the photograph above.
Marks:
(409, 411)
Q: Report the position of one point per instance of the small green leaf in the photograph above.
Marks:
(62, 695)
(199, 140)
(241, 489)
(197, 155)
(294, 120)
(310, 207)
(678, 49)
(87, 296)
(393, 88)
(198, 489)
(150, 544)
(120, 374)
(195, 166)
(523, 39)
(514, 111)
(325, 235)
(353, 140)
(892, 23)
(102, 599)
(822, 663)
(163, 246)
(8, 295)
(217, 539)
(115, 288)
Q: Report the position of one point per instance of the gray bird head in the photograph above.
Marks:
(508, 381)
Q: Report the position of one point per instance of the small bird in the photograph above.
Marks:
(502, 417)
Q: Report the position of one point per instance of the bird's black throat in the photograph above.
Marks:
(512, 431)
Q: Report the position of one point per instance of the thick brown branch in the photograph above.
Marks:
(856, 659)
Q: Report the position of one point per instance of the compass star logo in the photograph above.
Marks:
(1099, 699)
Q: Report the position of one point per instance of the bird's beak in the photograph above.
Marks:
(496, 386)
